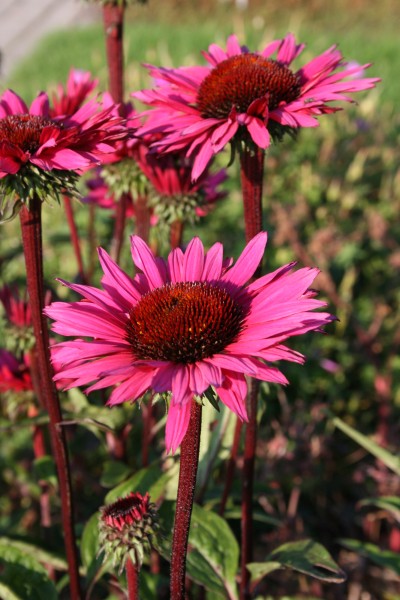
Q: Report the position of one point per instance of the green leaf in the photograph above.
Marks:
(389, 503)
(22, 576)
(90, 540)
(214, 552)
(383, 558)
(37, 553)
(114, 472)
(388, 459)
(145, 480)
(305, 556)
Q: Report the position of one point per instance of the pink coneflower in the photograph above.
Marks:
(246, 97)
(67, 100)
(183, 325)
(17, 310)
(100, 195)
(173, 187)
(14, 374)
(30, 136)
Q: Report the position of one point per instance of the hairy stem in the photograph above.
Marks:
(252, 176)
(189, 461)
(113, 19)
(132, 577)
(31, 227)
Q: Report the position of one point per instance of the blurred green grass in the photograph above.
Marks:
(172, 33)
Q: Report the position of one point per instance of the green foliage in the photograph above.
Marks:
(22, 576)
(383, 558)
(389, 459)
(304, 556)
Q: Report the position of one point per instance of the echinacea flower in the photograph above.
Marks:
(173, 193)
(100, 195)
(182, 325)
(245, 97)
(14, 374)
(66, 101)
(40, 154)
(126, 529)
(17, 310)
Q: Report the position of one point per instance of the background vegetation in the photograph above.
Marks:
(332, 199)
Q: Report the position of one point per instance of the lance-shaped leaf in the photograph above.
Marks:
(305, 556)
(383, 558)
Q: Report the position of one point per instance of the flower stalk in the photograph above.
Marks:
(132, 577)
(31, 227)
(113, 18)
(252, 176)
(189, 461)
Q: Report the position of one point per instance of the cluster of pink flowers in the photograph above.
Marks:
(192, 321)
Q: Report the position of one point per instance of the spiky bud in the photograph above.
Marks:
(126, 529)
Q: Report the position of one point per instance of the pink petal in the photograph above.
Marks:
(133, 388)
(247, 262)
(234, 393)
(145, 261)
(117, 283)
(213, 263)
(177, 424)
(193, 261)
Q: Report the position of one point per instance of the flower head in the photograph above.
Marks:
(66, 101)
(245, 97)
(41, 154)
(183, 325)
(173, 194)
(14, 374)
(126, 529)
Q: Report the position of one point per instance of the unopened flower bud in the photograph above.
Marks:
(126, 529)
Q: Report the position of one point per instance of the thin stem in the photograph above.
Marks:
(119, 228)
(176, 234)
(187, 481)
(91, 237)
(252, 176)
(69, 211)
(250, 443)
(132, 577)
(143, 215)
(31, 227)
(113, 19)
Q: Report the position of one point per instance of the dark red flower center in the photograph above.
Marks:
(24, 131)
(239, 80)
(184, 322)
(126, 510)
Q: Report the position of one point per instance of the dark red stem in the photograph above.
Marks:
(252, 176)
(113, 18)
(250, 442)
(143, 215)
(230, 468)
(31, 227)
(69, 211)
(132, 577)
(176, 234)
(148, 418)
(119, 227)
(189, 461)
